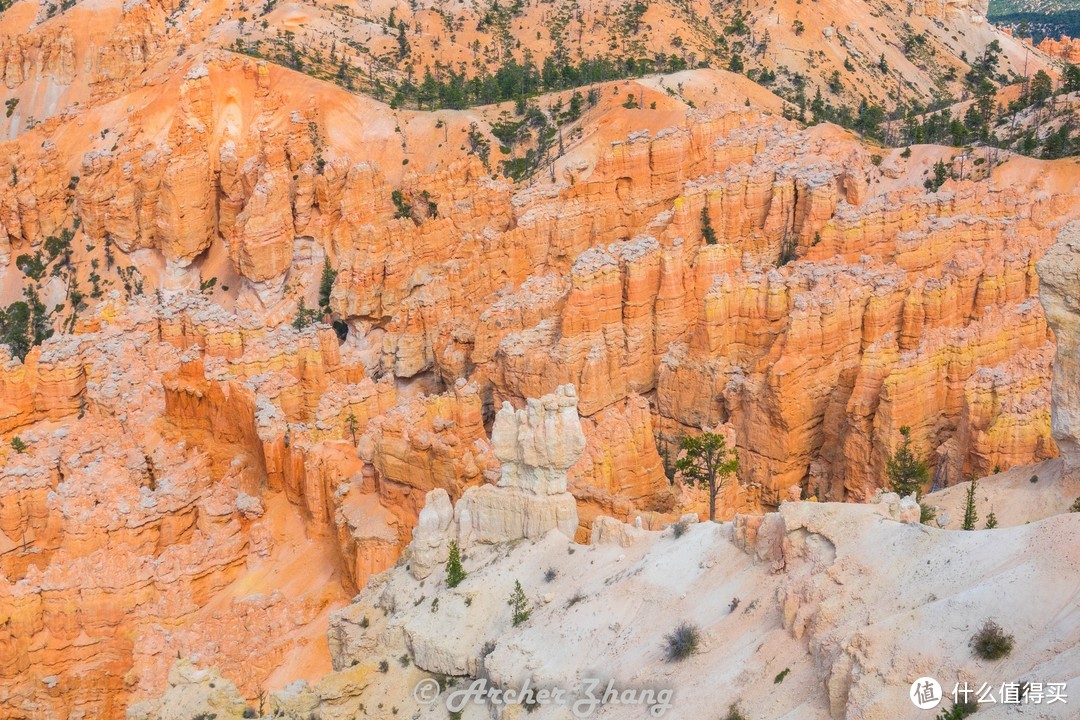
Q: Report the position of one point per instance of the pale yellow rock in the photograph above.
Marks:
(1059, 291)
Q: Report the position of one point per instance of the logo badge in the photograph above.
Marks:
(925, 693)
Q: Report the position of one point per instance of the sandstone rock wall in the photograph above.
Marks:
(605, 282)
(108, 530)
(1064, 48)
(1059, 273)
(840, 302)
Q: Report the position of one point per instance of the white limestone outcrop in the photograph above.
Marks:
(1059, 292)
(537, 446)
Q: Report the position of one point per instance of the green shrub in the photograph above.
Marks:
(734, 713)
(683, 642)
(781, 675)
(991, 642)
(403, 208)
(927, 513)
(31, 266)
(958, 711)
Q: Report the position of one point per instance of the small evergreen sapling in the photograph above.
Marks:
(707, 232)
(326, 285)
(455, 573)
(907, 474)
(519, 603)
(971, 516)
(350, 422)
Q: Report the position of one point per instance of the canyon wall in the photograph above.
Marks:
(709, 267)
(836, 278)
(1059, 273)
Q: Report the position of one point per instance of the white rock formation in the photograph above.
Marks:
(539, 444)
(193, 693)
(431, 536)
(849, 599)
(536, 446)
(1059, 292)
(608, 531)
(489, 514)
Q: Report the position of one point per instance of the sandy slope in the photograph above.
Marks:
(1012, 495)
(852, 602)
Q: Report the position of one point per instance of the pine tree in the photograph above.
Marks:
(18, 445)
(519, 603)
(326, 285)
(707, 463)
(304, 317)
(350, 421)
(941, 174)
(707, 232)
(907, 474)
(991, 521)
(15, 332)
(970, 515)
(40, 330)
(454, 572)
(403, 42)
(299, 322)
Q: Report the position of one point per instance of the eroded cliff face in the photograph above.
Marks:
(196, 481)
(1059, 273)
(840, 301)
(127, 540)
(203, 477)
(1064, 48)
(803, 582)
